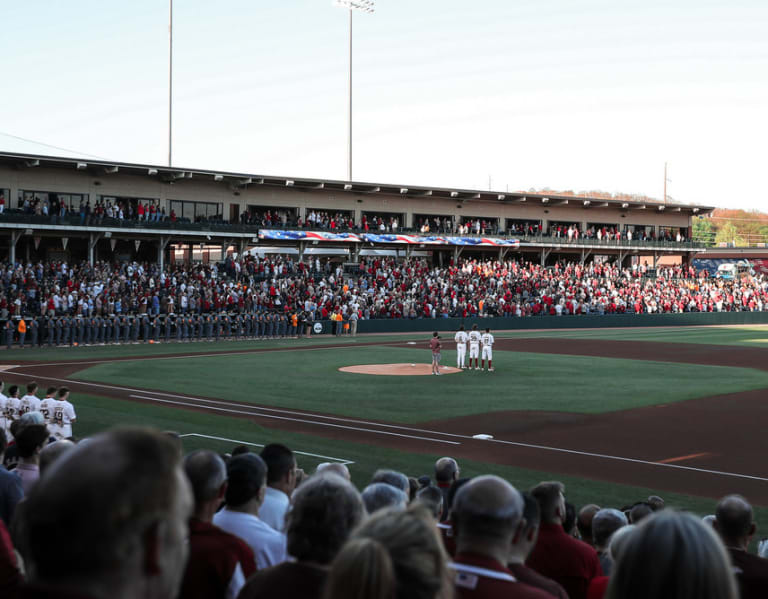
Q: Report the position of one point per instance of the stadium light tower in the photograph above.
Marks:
(352, 5)
(170, 79)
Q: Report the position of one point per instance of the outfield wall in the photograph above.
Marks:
(562, 322)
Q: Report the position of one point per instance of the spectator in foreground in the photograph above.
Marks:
(281, 481)
(606, 522)
(323, 512)
(487, 514)
(522, 544)
(125, 500)
(30, 442)
(446, 473)
(334, 467)
(568, 561)
(584, 522)
(736, 527)
(247, 485)
(378, 496)
(52, 452)
(431, 497)
(599, 584)
(219, 562)
(11, 491)
(392, 555)
(672, 555)
(394, 478)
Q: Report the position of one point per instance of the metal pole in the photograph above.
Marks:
(170, 80)
(349, 141)
(665, 182)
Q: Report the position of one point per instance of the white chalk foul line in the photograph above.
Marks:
(312, 455)
(410, 429)
(221, 354)
(257, 414)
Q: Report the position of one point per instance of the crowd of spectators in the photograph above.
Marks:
(375, 288)
(127, 514)
(119, 210)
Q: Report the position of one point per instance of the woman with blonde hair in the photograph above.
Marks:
(392, 555)
(672, 555)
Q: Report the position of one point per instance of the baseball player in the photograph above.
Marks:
(3, 401)
(11, 411)
(487, 340)
(63, 416)
(47, 405)
(30, 402)
(474, 346)
(461, 347)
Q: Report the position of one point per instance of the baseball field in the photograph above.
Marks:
(616, 414)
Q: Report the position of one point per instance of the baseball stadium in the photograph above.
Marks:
(237, 384)
(654, 388)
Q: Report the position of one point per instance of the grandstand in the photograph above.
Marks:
(71, 209)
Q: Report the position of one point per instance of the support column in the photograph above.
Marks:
(241, 246)
(93, 239)
(302, 247)
(162, 243)
(15, 236)
(356, 253)
(358, 216)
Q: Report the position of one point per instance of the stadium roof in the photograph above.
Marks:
(244, 180)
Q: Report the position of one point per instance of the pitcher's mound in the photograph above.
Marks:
(398, 369)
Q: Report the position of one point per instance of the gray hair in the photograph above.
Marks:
(432, 497)
(606, 522)
(487, 507)
(323, 512)
(394, 478)
(667, 548)
(335, 467)
(206, 472)
(619, 540)
(377, 496)
(446, 469)
(32, 418)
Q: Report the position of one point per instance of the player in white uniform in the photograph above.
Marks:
(47, 404)
(461, 347)
(3, 401)
(474, 346)
(63, 416)
(11, 409)
(30, 402)
(487, 340)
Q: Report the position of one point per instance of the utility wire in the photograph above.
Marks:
(40, 143)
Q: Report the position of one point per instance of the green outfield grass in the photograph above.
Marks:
(310, 380)
(748, 336)
(96, 414)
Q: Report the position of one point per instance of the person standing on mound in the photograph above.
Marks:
(434, 345)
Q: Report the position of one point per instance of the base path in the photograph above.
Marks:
(397, 369)
(708, 447)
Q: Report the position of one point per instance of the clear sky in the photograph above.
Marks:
(567, 94)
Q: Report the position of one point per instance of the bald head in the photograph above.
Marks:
(446, 470)
(733, 520)
(487, 509)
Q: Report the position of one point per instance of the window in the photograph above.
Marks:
(29, 200)
(195, 211)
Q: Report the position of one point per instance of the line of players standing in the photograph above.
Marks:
(476, 339)
(57, 411)
(98, 330)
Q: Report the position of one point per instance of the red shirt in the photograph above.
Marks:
(481, 577)
(565, 560)
(213, 558)
(434, 345)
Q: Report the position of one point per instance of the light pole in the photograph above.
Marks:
(363, 6)
(170, 79)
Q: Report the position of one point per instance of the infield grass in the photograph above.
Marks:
(309, 380)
